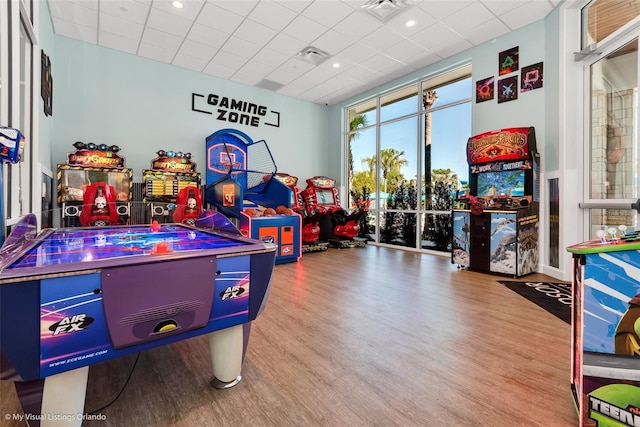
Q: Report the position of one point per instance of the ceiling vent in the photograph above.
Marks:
(384, 9)
(313, 55)
(269, 85)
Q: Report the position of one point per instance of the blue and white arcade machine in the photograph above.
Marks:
(11, 148)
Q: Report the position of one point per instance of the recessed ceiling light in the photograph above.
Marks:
(336, 65)
(410, 23)
(177, 4)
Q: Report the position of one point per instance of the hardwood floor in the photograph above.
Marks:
(359, 337)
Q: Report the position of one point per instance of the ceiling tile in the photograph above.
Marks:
(332, 42)
(500, 7)
(327, 13)
(382, 38)
(117, 42)
(286, 45)
(76, 13)
(440, 9)
(168, 22)
(222, 20)
(189, 10)
(469, 17)
(207, 36)
(357, 25)
(156, 53)
(241, 8)
(164, 40)
(74, 31)
(184, 60)
(295, 5)
(484, 32)
(272, 15)
(255, 32)
(526, 14)
(197, 50)
(240, 47)
(128, 10)
(120, 27)
(304, 29)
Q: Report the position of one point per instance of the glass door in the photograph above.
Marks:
(612, 157)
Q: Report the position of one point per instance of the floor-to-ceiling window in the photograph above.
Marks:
(17, 104)
(611, 33)
(406, 157)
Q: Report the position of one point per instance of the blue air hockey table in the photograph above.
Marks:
(73, 297)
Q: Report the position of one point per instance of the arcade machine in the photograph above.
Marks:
(91, 164)
(497, 231)
(11, 148)
(605, 339)
(337, 226)
(241, 184)
(310, 226)
(171, 172)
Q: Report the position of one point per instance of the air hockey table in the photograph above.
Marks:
(73, 297)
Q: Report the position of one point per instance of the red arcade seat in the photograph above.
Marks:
(189, 206)
(99, 206)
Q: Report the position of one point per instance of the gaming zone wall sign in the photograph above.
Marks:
(234, 110)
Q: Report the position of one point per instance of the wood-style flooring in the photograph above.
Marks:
(358, 337)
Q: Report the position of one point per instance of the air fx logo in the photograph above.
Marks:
(232, 292)
(75, 323)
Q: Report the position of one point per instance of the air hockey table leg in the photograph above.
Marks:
(226, 346)
(63, 398)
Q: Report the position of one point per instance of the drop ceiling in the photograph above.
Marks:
(257, 43)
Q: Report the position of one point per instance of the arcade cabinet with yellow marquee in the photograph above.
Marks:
(498, 230)
(92, 164)
(171, 173)
(241, 184)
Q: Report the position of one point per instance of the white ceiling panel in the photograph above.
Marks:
(250, 41)
(128, 10)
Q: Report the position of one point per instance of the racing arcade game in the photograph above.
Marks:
(92, 164)
(241, 184)
(310, 226)
(337, 226)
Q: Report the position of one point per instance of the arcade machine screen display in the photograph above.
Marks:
(325, 197)
(73, 180)
(165, 186)
(493, 184)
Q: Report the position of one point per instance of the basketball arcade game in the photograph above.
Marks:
(498, 230)
(99, 169)
(337, 226)
(170, 173)
(241, 184)
(73, 297)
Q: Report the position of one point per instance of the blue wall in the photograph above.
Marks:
(106, 96)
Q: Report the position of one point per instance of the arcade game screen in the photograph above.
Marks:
(325, 197)
(492, 184)
(165, 186)
(73, 180)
